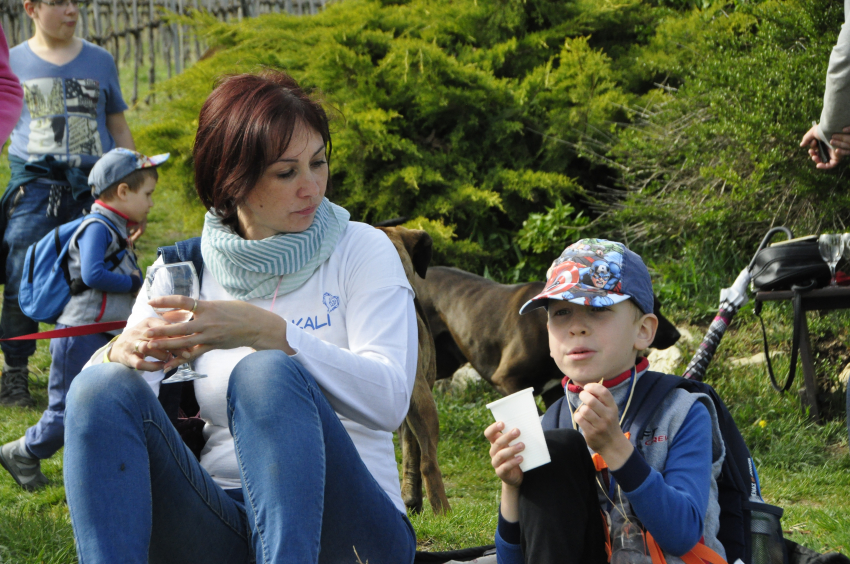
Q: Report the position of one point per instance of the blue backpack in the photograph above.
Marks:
(46, 284)
(749, 528)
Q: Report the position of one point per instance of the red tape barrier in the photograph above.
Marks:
(89, 329)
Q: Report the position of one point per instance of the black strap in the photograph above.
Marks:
(797, 301)
(766, 240)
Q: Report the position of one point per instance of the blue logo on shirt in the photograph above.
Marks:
(312, 322)
(331, 302)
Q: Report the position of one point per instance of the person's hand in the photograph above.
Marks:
(217, 325)
(841, 143)
(810, 140)
(599, 420)
(505, 458)
(137, 231)
(132, 346)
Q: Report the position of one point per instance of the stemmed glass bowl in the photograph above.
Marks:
(174, 279)
(830, 246)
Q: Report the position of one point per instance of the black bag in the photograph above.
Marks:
(794, 265)
(796, 262)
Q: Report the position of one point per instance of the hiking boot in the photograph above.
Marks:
(24, 467)
(14, 386)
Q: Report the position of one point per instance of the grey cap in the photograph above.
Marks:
(118, 163)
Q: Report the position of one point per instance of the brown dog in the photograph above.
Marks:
(420, 431)
(476, 320)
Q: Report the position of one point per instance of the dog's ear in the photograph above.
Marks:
(420, 247)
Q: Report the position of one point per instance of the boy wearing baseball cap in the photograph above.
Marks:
(598, 297)
(105, 279)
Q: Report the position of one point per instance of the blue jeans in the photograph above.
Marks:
(28, 221)
(68, 355)
(137, 494)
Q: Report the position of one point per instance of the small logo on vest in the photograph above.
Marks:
(331, 302)
(649, 437)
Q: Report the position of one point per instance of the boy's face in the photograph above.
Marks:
(590, 343)
(137, 204)
(57, 22)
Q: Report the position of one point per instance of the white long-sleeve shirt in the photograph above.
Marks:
(353, 327)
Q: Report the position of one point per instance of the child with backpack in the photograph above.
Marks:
(104, 278)
(601, 493)
(73, 113)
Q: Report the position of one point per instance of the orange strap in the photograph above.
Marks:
(599, 462)
(654, 550)
(607, 535)
(699, 554)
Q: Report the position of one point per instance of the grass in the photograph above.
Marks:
(804, 468)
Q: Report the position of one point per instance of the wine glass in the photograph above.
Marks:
(845, 244)
(174, 279)
(830, 246)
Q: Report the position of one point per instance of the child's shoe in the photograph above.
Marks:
(14, 386)
(24, 468)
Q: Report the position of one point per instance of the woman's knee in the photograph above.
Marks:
(103, 385)
(264, 373)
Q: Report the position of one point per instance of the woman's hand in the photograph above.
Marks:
(505, 458)
(133, 346)
(599, 420)
(217, 325)
(810, 140)
(841, 143)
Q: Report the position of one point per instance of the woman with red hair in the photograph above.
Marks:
(306, 329)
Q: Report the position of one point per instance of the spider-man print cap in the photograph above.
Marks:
(596, 272)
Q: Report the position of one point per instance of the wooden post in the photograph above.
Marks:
(114, 30)
(178, 50)
(9, 29)
(84, 15)
(137, 60)
(126, 33)
(197, 41)
(167, 40)
(152, 50)
(24, 19)
(98, 30)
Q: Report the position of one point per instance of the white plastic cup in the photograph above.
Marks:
(518, 411)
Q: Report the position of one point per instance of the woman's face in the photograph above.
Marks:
(290, 190)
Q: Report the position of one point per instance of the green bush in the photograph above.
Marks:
(465, 114)
(508, 128)
(712, 159)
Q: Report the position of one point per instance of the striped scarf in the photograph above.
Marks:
(253, 269)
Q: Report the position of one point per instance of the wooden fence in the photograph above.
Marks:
(133, 29)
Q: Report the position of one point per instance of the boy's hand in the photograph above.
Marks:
(505, 458)
(136, 232)
(599, 419)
